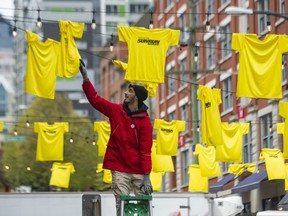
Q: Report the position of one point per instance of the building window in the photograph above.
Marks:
(171, 48)
(210, 52)
(172, 116)
(226, 42)
(184, 112)
(138, 8)
(133, 8)
(284, 64)
(227, 93)
(210, 6)
(183, 74)
(282, 6)
(171, 82)
(162, 91)
(263, 5)
(169, 3)
(247, 147)
(247, 25)
(196, 8)
(182, 20)
(266, 133)
(112, 10)
(183, 25)
(185, 166)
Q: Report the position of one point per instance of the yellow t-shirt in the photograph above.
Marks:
(260, 63)
(167, 136)
(156, 180)
(231, 150)
(107, 174)
(41, 68)
(211, 120)
(1, 126)
(122, 65)
(238, 169)
(147, 52)
(69, 57)
(206, 156)
(197, 183)
(61, 174)
(282, 128)
(274, 162)
(283, 109)
(286, 179)
(149, 86)
(50, 141)
(161, 163)
(104, 130)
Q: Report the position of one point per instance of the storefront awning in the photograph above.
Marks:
(251, 182)
(220, 184)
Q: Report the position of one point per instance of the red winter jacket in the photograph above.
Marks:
(130, 143)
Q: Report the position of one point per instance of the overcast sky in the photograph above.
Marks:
(6, 8)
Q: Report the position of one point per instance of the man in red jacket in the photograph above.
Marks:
(128, 153)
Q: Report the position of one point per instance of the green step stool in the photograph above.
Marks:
(136, 205)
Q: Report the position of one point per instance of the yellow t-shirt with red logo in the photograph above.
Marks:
(50, 141)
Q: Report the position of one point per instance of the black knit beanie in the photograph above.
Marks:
(140, 92)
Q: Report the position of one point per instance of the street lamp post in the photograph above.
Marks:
(237, 11)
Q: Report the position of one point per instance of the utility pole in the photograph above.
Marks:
(194, 103)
